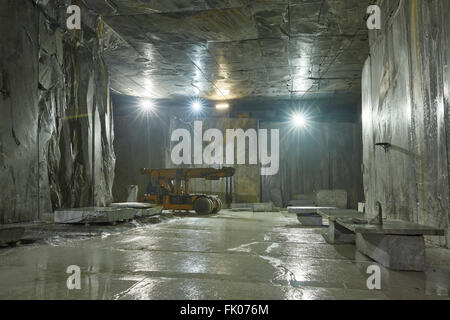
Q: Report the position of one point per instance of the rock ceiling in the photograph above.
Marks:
(234, 49)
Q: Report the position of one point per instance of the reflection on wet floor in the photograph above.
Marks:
(229, 256)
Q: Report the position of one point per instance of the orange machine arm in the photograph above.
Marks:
(164, 176)
(190, 173)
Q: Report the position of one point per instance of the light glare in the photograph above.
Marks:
(222, 106)
(146, 106)
(299, 120)
(197, 106)
(223, 92)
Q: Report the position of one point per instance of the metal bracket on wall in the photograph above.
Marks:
(385, 145)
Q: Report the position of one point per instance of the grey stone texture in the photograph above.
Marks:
(95, 215)
(301, 203)
(398, 252)
(133, 131)
(308, 197)
(331, 198)
(54, 100)
(136, 205)
(406, 102)
(328, 157)
(248, 206)
(310, 219)
(331, 159)
(338, 234)
(11, 234)
(396, 227)
(173, 40)
(263, 207)
(301, 210)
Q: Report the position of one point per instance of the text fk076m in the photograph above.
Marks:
(213, 153)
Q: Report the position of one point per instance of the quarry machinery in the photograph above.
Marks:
(169, 188)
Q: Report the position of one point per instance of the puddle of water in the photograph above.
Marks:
(244, 247)
(272, 247)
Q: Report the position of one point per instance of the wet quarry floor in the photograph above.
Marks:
(229, 256)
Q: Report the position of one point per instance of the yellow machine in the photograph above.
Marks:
(170, 189)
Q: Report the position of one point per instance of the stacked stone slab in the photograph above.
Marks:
(308, 216)
(331, 198)
(263, 207)
(94, 215)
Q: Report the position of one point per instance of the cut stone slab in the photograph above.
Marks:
(331, 198)
(10, 234)
(397, 252)
(142, 209)
(94, 215)
(334, 214)
(149, 212)
(310, 219)
(263, 207)
(398, 245)
(133, 205)
(338, 234)
(392, 227)
(308, 216)
(307, 209)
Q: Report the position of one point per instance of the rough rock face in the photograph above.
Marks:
(139, 143)
(406, 102)
(235, 49)
(325, 156)
(56, 127)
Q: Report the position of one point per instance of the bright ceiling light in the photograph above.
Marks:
(222, 106)
(299, 120)
(197, 106)
(147, 106)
